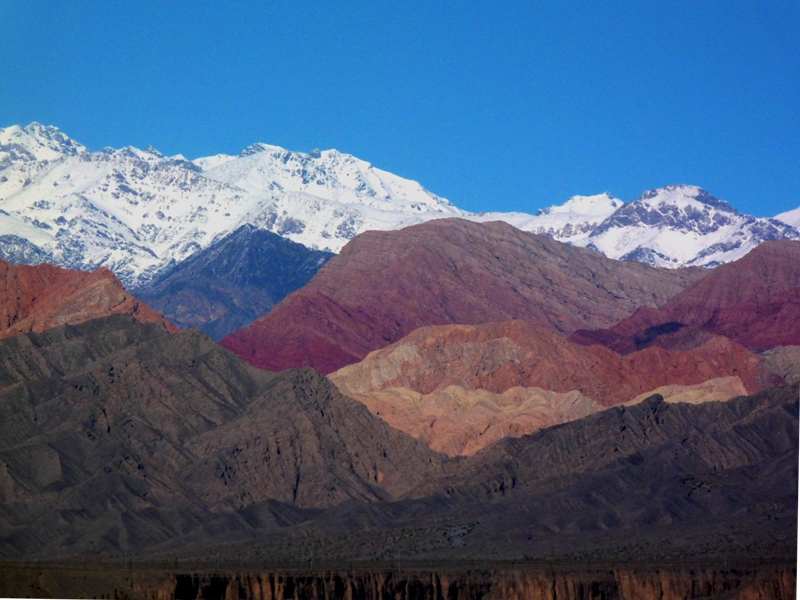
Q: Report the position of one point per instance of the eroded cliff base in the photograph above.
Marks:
(508, 581)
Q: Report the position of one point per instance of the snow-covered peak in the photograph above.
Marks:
(209, 162)
(137, 211)
(35, 142)
(329, 175)
(683, 225)
(792, 217)
(682, 196)
(570, 222)
(599, 204)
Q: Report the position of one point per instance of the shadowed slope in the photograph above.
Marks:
(383, 285)
(232, 282)
(647, 485)
(115, 435)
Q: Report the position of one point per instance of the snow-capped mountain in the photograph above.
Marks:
(571, 222)
(792, 217)
(683, 225)
(323, 199)
(137, 211)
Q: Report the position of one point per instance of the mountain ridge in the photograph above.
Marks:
(138, 212)
(383, 285)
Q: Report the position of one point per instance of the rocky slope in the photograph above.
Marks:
(754, 301)
(118, 439)
(652, 485)
(232, 282)
(36, 298)
(499, 356)
(784, 361)
(150, 436)
(460, 422)
(383, 285)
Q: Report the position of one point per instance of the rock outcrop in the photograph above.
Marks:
(36, 298)
(719, 389)
(383, 285)
(784, 361)
(460, 422)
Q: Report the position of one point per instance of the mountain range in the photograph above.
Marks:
(139, 212)
(385, 284)
(600, 400)
(125, 440)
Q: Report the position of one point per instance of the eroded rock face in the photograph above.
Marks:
(529, 583)
(499, 356)
(784, 361)
(754, 301)
(37, 298)
(458, 421)
(383, 285)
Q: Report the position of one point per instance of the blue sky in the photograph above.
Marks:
(496, 106)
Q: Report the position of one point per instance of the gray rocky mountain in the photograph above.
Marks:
(232, 282)
(116, 435)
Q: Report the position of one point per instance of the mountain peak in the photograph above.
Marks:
(598, 204)
(683, 195)
(37, 142)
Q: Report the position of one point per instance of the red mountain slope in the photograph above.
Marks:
(499, 356)
(386, 284)
(33, 299)
(754, 301)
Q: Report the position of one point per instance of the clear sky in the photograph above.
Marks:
(494, 105)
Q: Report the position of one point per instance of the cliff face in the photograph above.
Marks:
(34, 299)
(383, 285)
